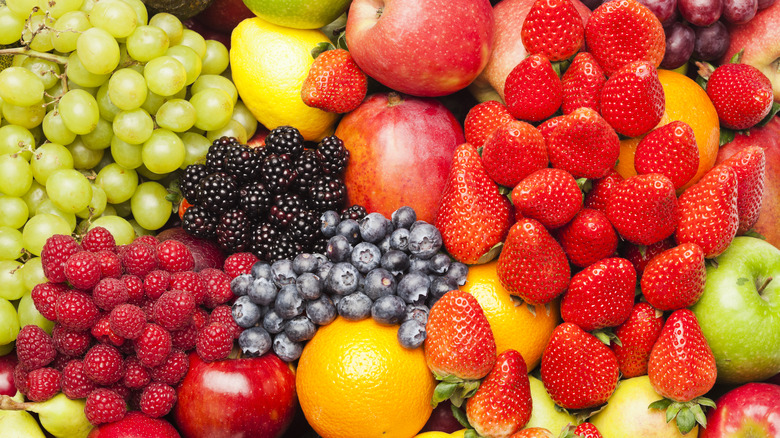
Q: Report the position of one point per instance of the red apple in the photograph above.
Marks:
(135, 425)
(7, 364)
(223, 15)
(246, 397)
(206, 253)
(750, 410)
(430, 48)
(400, 153)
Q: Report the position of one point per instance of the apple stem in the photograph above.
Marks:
(764, 285)
(393, 98)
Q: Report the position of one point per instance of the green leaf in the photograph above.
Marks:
(737, 57)
(672, 411)
(443, 392)
(492, 253)
(341, 41)
(661, 405)
(685, 421)
(320, 48)
(726, 136)
(772, 113)
(470, 388)
(704, 401)
(754, 233)
(504, 190)
(531, 309)
(470, 433)
(460, 416)
(642, 249)
(698, 414)
(451, 378)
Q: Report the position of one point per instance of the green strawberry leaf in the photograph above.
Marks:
(531, 309)
(491, 254)
(460, 416)
(443, 391)
(726, 136)
(772, 113)
(754, 233)
(704, 401)
(341, 41)
(470, 433)
(504, 190)
(698, 414)
(660, 404)
(737, 57)
(673, 410)
(685, 420)
(320, 48)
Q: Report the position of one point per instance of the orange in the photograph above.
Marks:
(688, 102)
(355, 380)
(513, 326)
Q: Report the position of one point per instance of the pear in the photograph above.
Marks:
(18, 424)
(60, 416)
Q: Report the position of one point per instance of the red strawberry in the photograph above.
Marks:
(513, 151)
(596, 197)
(675, 278)
(588, 238)
(582, 84)
(741, 94)
(637, 336)
(708, 211)
(547, 127)
(584, 144)
(533, 432)
(554, 29)
(335, 83)
(473, 216)
(587, 430)
(578, 370)
(640, 255)
(623, 31)
(670, 150)
(532, 265)
(548, 195)
(600, 295)
(533, 91)
(643, 208)
(482, 119)
(750, 166)
(502, 404)
(632, 100)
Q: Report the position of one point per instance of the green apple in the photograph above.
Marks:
(739, 311)
(544, 413)
(299, 14)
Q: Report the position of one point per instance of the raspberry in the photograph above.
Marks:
(60, 361)
(57, 249)
(109, 293)
(138, 259)
(136, 375)
(214, 342)
(127, 321)
(104, 364)
(224, 315)
(135, 289)
(217, 287)
(239, 263)
(44, 296)
(82, 270)
(98, 239)
(147, 307)
(174, 256)
(110, 266)
(157, 399)
(200, 318)
(173, 369)
(104, 406)
(155, 283)
(69, 342)
(120, 389)
(191, 282)
(20, 378)
(153, 346)
(103, 333)
(184, 339)
(147, 239)
(76, 311)
(174, 309)
(42, 384)
(34, 347)
(75, 383)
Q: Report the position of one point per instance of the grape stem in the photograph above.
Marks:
(35, 54)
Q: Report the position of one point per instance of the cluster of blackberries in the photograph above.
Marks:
(265, 200)
(392, 270)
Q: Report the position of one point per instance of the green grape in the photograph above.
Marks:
(11, 283)
(118, 227)
(48, 207)
(96, 206)
(232, 129)
(37, 133)
(29, 315)
(15, 138)
(19, 86)
(216, 59)
(83, 157)
(147, 43)
(32, 273)
(100, 137)
(55, 130)
(106, 107)
(17, 175)
(109, 211)
(11, 244)
(165, 75)
(215, 81)
(194, 41)
(9, 322)
(49, 158)
(125, 154)
(14, 212)
(79, 111)
(189, 59)
(122, 209)
(150, 208)
(25, 116)
(214, 108)
(105, 161)
(170, 24)
(47, 71)
(177, 115)
(67, 30)
(69, 189)
(115, 17)
(164, 152)
(118, 182)
(242, 115)
(196, 146)
(154, 101)
(139, 230)
(98, 50)
(10, 26)
(41, 40)
(127, 89)
(60, 7)
(87, 6)
(79, 75)
(34, 198)
(141, 14)
(148, 174)
(39, 228)
(134, 126)
(21, 8)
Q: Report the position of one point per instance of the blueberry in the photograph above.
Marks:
(254, 341)
(342, 279)
(241, 284)
(395, 261)
(261, 270)
(335, 299)
(388, 309)
(321, 311)
(379, 282)
(404, 217)
(417, 264)
(288, 303)
(365, 257)
(282, 272)
(263, 291)
(399, 239)
(245, 312)
(373, 227)
(350, 229)
(286, 349)
(304, 262)
(424, 240)
(442, 285)
(384, 244)
(355, 307)
(323, 269)
(329, 221)
(457, 272)
(414, 287)
(272, 322)
(411, 334)
(338, 249)
(417, 312)
(439, 263)
(432, 299)
(309, 286)
(300, 329)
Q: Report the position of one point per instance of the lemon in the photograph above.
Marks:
(269, 64)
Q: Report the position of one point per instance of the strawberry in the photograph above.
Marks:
(708, 211)
(533, 432)
(640, 255)
(473, 216)
(750, 166)
(643, 208)
(578, 371)
(675, 278)
(596, 197)
(513, 151)
(547, 127)
(532, 265)
(502, 404)
(742, 95)
(636, 338)
(335, 83)
(482, 119)
(533, 91)
(587, 430)
(670, 150)
(554, 29)
(459, 346)
(588, 238)
(548, 195)
(584, 144)
(623, 31)
(582, 84)
(632, 100)
(600, 295)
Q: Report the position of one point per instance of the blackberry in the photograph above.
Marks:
(285, 140)
(285, 208)
(255, 199)
(199, 222)
(285, 247)
(278, 173)
(307, 166)
(217, 192)
(243, 163)
(264, 237)
(190, 181)
(233, 231)
(216, 158)
(333, 155)
(320, 245)
(327, 193)
(305, 229)
(355, 212)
